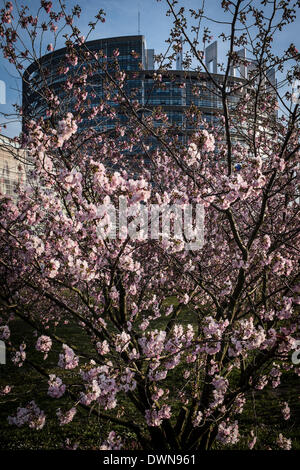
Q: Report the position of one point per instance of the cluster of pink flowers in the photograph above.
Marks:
(4, 332)
(122, 341)
(266, 242)
(19, 357)
(56, 387)
(228, 433)
(68, 360)
(213, 331)
(145, 323)
(67, 417)
(220, 387)
(261, 382)
(154, 417)
(193, 153)
(36, 244)
(72, 179)
(198, 418)
(139, 189)
(5, 390)
(281, 265)
(46, 5)
(66, 128)
(31, 415)
(134, 190)
(103, 383)
(180, 338)
(152, 343)
(128, 264)
(127, 381)
(113, 442)
(53, 268)
(275, 375)
(286, 412)
(286, 308)
(44, 344)
(246, 337)
(159, 392)
(239, 403)
(93, 392)
(102, 347)
(237, 186)
(252, 440)
(6, 15)
(208, 141)
(203, 141)
(284, 443)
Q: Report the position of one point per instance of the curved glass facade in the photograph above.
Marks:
(177, 90)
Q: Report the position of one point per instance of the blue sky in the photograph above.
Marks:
(121, 20)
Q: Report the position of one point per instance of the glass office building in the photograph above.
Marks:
(177, 91)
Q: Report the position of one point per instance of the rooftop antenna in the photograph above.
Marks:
(139, 20)
(179, 57)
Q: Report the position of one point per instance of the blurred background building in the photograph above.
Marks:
(13, 167)
(172, 92)
(177, 91)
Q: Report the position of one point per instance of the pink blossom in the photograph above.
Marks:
(252, 442)
(46, 5)
(44, 344)
(286, 412)
(68, 360)
(228, 433)
(19, 357)
(56, 387)
(284, 443)
(122, 341)
(5, 390)
(67, 417)
(31, 415)
(113, 442)
(155, 417)
(198, 418)
(153, 343)
(102, 347)
(4, 332)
